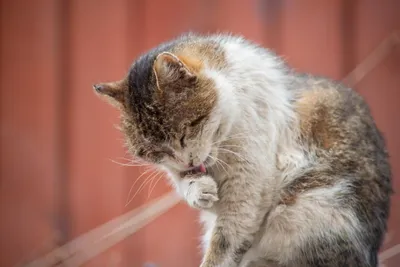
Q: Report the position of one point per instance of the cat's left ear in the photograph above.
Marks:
(171, 68)
(114, 92)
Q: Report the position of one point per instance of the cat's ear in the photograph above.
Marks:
(170, 68)
(114, 92)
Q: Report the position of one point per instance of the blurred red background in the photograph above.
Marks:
(58, 143)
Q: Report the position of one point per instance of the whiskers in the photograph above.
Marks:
(151, 174)
(227, 146)
(235, 137)
(131, 162)
(224, 149)
(220, 163)
(151, 188)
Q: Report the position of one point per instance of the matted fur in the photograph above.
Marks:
(297, 171)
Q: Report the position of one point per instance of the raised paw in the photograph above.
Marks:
(202, 192)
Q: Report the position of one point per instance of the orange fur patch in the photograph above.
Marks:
(314, 118)
(191, 62)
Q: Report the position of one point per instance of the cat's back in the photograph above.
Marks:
(337, 126)
(336, 119)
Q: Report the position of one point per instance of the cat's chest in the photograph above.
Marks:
(208, 220)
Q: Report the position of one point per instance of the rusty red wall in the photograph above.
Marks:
(28, 140)
(58, 180)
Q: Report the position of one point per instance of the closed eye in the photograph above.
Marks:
(156, 156)
(197, 121)
(140, 153)
(160, 154)
(150, 155)
(182, 141)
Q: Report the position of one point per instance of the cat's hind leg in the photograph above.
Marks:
(318, 228)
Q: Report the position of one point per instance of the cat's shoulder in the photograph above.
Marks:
(326, 107)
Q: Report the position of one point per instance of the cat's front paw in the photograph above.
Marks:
(202, 192)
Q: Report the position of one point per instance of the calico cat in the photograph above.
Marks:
(288, 169)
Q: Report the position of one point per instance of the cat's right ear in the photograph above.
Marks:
(170, 68)
(114, 92)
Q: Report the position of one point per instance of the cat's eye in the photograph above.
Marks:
(140, 152)
(182, 141)
(197, 121)
(156, 156)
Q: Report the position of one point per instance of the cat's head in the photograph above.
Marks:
(169, 107)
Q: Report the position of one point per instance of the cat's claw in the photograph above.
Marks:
(202, 192)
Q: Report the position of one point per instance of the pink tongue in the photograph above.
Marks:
(202, 168)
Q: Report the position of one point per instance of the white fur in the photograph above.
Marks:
(254, 83)
(265, 114)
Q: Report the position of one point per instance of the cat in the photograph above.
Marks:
(287, 169)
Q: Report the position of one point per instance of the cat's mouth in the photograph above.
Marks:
(195, 170)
